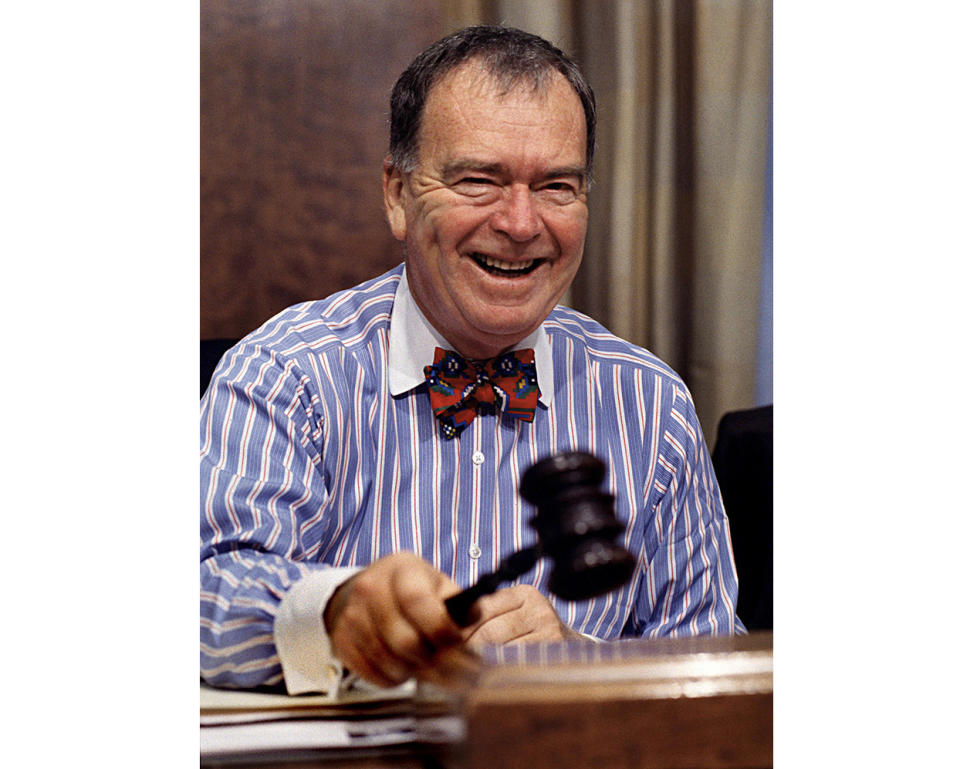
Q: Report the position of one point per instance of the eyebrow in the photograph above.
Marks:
(497, 169)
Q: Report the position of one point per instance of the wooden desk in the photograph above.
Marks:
(697, 703)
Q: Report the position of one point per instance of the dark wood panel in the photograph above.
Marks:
(294, 126)
(672, 703)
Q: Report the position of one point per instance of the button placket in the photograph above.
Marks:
(474, 551)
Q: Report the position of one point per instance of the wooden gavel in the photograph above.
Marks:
(576, 527)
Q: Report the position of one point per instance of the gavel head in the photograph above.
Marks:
(577, 526)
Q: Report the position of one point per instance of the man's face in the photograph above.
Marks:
(495, 214)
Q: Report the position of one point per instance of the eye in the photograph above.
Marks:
(475, 186)
(560, 191)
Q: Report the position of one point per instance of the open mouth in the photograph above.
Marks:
(502, 268)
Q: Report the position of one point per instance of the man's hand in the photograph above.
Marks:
(388, 623)
(519, 613)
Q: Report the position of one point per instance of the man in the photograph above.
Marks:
(338, 512)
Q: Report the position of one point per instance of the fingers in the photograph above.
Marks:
(388, 622)
(368, 655)
(420, 592)
(453, 665)
(519, 613)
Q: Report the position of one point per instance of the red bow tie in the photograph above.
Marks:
(461, 388)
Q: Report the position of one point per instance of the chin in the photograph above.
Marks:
(511, 333)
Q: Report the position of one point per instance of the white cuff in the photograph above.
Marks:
(301, 637)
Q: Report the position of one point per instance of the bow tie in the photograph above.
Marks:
(461, 388)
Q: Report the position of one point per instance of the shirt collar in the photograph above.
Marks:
(413, 339)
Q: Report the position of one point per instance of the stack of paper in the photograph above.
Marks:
(240, 725)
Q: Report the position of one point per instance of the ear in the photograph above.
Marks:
(393, 195)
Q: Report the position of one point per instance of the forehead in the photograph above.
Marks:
(467, 110)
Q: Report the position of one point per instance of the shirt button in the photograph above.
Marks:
(478, 457)
(474, 551)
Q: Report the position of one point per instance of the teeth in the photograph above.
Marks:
(502, 265)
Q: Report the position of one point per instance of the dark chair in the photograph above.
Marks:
(211, 351)
(743, 460)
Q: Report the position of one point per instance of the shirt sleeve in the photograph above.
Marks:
(262, 501)
(690, 584)
(303, 645)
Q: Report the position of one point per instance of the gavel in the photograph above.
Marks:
(576, 529)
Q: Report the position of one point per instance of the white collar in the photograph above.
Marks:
(413, 339)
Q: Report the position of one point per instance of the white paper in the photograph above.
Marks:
(304, 734)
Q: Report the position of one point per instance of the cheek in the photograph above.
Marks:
(570, 232)
(451, 224)
(432, 229)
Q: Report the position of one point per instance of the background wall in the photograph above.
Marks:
(293, 130)
(294, 126)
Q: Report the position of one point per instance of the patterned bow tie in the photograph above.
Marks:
(461, 388)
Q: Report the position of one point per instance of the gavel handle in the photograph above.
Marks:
(458, 606)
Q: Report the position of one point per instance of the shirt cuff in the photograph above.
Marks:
(301, 637)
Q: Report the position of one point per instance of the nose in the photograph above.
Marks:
(517, 215)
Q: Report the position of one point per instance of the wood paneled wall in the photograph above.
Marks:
(293, 129)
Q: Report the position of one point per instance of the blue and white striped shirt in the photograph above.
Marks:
(309, 461)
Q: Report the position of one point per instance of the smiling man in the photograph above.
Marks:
(494, 214)
(361, 454)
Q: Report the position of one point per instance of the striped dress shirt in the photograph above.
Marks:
(310, 458)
